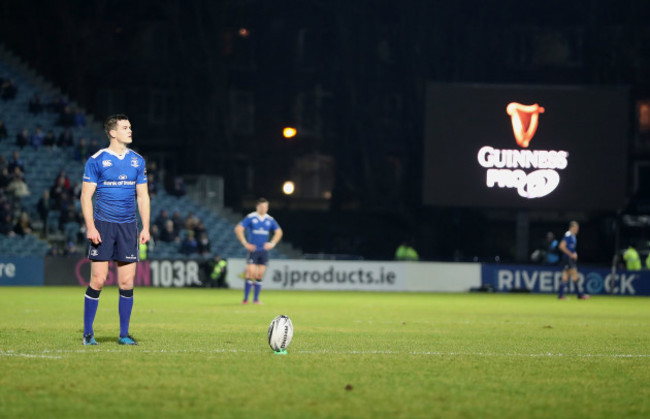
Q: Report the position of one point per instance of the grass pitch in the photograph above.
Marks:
(353, 355)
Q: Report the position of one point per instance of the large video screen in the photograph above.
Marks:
(531, 147)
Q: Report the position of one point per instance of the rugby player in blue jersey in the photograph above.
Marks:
(253, 233)
(117, 177)
(568, 247)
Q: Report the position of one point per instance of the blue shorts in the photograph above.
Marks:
(570, 264)
(119, 242)
(258, 257)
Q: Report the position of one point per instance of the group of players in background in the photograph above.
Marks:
(117, 178)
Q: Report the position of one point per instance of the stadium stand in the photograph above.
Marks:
(43, 165)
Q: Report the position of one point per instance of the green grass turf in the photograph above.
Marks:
(354, 355)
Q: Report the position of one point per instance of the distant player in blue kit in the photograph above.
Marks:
(116, 176)
(568, 247)
(253, 233)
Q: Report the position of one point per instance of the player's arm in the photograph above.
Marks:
(277, 236)
(144, 207)
(87, 192)
(564, 249)
(239, 232)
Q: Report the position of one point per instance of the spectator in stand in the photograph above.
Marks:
(204, 244)
(59, 194)
(16, 208)
(189, 245)
(191, 221)
(155, 235)
(66, 139)
(23, 226)
(75, 191)
(152, 169)
(79, 119)
(49, 140)
(37, 138)
(17, 187)
(178, 221)
(199, 229)
(5, 206)
(66, 118)
(178, 186)
(44, 206)
(81, 151)
(152, 185)
(65, 201)
(7, 226)
(14, 162)
(3, 130)
(3, 162)
(22, 138)
(5, 178)
(35, 104)
(161, 218)
(63, 177)
(70, 223)
(169, 234)
(8, 90)
(57, 105)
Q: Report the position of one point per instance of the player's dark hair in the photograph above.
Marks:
(262, 201)
(111, 123)
(573, 224)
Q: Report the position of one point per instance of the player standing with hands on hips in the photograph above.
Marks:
(568, 247)
(253, 233)
(117, 177)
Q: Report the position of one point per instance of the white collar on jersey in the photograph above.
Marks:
(262, 216)
(119, 156)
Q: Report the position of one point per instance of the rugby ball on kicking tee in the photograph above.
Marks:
(280, 333)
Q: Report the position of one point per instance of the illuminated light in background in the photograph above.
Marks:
(288, 187)
(243, 32)
(289, 132)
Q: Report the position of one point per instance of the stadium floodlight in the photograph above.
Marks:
(289, 132)
(288, 187)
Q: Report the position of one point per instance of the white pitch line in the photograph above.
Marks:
(23, 355)
(44, 353)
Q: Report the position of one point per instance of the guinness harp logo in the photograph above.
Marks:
(532, 173)
(525, 119)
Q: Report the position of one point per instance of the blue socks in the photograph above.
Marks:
(90, 309)
(563, 286)
(575, 284)
(258, 288)
(247, 288)
(125, 306)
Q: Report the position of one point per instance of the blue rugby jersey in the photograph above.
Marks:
(258, 228)
(571, 241)
(116, 178)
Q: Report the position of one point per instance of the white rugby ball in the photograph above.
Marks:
(280, 333)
